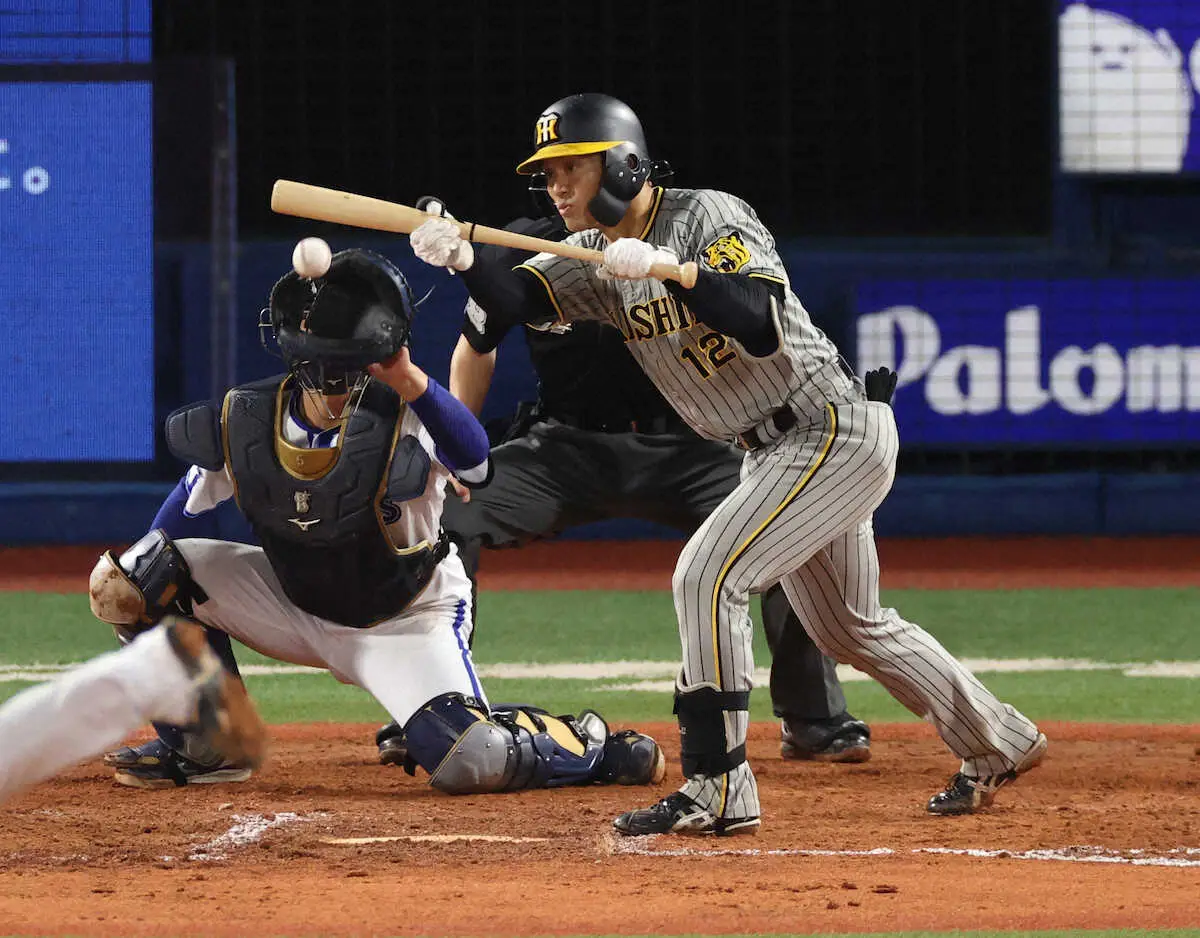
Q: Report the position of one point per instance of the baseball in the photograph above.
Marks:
(311, 258)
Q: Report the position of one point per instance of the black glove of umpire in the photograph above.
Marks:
(880, 384)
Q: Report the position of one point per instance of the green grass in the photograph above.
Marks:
(1105, 625)
(1117, 625)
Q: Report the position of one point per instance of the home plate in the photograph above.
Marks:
(433, 839)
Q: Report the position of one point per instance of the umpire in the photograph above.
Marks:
(599, 443)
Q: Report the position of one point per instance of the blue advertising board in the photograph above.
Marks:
(37, 32)
(1129, 74)
(76, 263)
(1073, 362)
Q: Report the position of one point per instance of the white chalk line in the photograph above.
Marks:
(246, 830)
(1176, 857)
(433, 839)
(658, 676)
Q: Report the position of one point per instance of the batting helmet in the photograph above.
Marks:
(596, 123)
(331, 328)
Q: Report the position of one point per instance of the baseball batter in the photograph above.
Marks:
(342, 476)
(602, 443)
(168, 673)
(739, 359)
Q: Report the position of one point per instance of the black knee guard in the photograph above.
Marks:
(704, 747)
(466, 750)
(149, 581)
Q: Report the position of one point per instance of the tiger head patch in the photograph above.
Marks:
(726, 255)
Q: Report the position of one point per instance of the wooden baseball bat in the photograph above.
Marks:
(360, 211)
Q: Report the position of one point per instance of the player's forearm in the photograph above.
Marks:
(471, 374)
(462, 443)
(735, 305)
(173, 518)
(507, 293)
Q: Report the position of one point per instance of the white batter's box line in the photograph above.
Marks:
(1175, 857)
(246, 830)
(433, 839)
(659, 676)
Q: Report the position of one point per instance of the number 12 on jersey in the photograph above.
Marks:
(714, 352)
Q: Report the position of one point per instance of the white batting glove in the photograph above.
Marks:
(630, 259)
(439, 243)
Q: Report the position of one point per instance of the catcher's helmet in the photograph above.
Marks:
(596, 123)
(331, 328)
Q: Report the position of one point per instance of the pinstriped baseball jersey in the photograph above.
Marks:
(801, 515)
(714, 383)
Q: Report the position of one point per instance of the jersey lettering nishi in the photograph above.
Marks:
(409, 522)
(714, 384)
(582, 368)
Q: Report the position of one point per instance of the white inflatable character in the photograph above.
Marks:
(1125, 102)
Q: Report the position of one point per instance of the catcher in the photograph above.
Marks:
(340, 467)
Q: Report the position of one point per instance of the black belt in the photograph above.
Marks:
(782, 421)
(651, 425)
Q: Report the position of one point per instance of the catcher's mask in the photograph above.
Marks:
(330, 329)
(596, 123)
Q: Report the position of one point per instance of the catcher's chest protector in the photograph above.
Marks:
(317, 511)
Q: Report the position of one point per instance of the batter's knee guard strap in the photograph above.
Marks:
(466, 750)
(704, 747)
(148, 582)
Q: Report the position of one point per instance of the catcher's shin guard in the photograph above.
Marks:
(466, 750)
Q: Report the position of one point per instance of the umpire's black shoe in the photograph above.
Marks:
(392, 744)
(679, 814)
(845, 740)
(966, 794)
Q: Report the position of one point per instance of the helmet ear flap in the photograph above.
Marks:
(625, 172)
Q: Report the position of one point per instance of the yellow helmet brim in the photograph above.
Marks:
(530, 166)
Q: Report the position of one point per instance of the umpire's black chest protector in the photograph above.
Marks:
(316, 511)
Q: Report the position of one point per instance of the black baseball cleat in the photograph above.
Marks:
(631, 758)
(846, 740)
(157, 765)
(392, 744)
(679, 814)
(966, 794)
(226, 725)
(226, 718)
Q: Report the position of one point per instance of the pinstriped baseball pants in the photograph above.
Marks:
(802, 516)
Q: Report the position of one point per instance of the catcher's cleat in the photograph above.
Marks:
(393, 750)
(225, 724)
(226, 719)
(392, 744)
(157, 765)
(966, 794)
(631, 758)
(679, 814)
(845, 740)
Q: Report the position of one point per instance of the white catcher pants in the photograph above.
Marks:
(90, 709)
(403, 662)
(802, 516)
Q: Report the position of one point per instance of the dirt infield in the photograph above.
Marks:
(1108, 811)
(949, 563)
(1105, 834)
